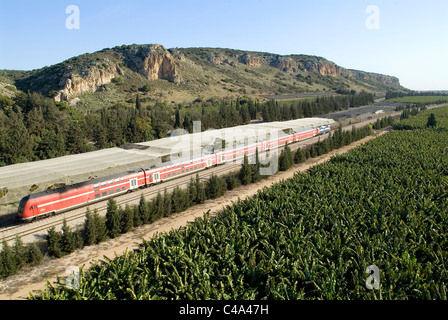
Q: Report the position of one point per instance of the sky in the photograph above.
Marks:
(403, 38)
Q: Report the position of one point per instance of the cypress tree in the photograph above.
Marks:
(136, 215)
(90, 232)
(113, 223)
(192, 192)
(299, 156)
(143, 210)
(138, 103)
(68, 241)
(215, 187)
(255, 168)
(34, 255)
(100, 227)
(54, 243)
(246, 172)
(167, 206)
(285, 160)
(178, 199)
(8, 264)
(232, 182)
(432, 122)
(127, 219)
(158, 207)
(19, 253)
(200, 192)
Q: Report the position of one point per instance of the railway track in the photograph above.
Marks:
(23, 230)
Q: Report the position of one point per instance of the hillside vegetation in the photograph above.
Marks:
(95, 80)
(310, 237)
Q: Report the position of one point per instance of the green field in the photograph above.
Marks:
(421, 100)
(310, 237)
(420, 121)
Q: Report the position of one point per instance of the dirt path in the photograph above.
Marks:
(18, 286)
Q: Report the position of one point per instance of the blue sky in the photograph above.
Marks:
(411, 42)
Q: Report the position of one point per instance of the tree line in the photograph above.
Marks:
(121, 220)
(34, 127)
(401, 94)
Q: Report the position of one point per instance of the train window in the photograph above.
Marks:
(97, 196)
(195, 168)
(96, 185)
(117, 180)
(122, 179)
(110, 181)
(103, 183)
(117, 190)
(122, 188)
(104, 194)
(111, 192)
(183, 171)
(164, 176)
(150, 177)
(169, 176)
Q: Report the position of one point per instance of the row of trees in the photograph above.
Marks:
(13, 259)
(282, 111)
(119, 220)
(33, 127)
(335, 140)
(400, 94)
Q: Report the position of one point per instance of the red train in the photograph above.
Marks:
(50, 202)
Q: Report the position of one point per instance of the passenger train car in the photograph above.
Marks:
(54, 201)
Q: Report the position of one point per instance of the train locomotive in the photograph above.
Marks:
(50, 202)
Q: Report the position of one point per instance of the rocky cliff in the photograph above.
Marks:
(89, 73)
(195, 71)
(151, 61)
(88, 80)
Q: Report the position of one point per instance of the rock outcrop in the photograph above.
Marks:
(151, 61)
(250, 61)
(87, 81)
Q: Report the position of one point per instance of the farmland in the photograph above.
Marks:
(421, 100)
(309, 237)
(414, 122)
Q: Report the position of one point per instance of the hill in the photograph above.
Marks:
(184, 74)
